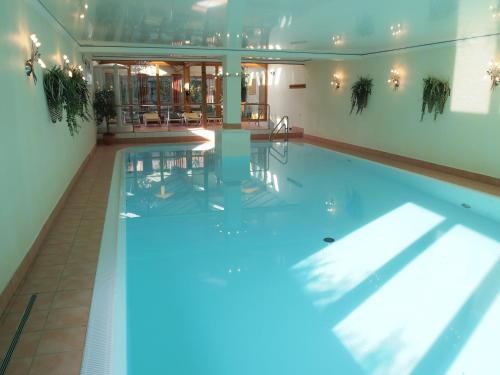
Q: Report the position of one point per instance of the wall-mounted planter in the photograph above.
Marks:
(435, 95)
(361, 91)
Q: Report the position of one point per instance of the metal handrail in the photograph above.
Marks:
(282, 123)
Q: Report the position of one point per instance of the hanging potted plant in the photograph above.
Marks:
(76, 99)
(435, 95)
(66, 89)
(361, 91)
(104, 108)
(54, 85)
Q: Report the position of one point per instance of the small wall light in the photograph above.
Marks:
(336, 80)
(494, 74)
(396, 30)
(29, 67)
(395, 79)
(187, 89)
(495, 13)
(338, 40)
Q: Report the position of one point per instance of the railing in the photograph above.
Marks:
(256, 113)
(130, 116)
(283, 123)
(281, 157)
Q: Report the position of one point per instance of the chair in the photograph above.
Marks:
(190, 117)
(175, 117)
(212, 117)
(151, 117)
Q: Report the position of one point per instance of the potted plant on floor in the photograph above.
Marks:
(104, 108)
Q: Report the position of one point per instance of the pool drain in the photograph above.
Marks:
(465, 205)
(329, 239)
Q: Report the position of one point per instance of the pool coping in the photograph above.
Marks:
(105, 342)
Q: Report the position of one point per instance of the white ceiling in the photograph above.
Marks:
(255, 25)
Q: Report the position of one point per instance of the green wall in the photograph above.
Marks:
(467, 136)
(37, 158)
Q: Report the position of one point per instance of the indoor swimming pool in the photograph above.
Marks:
(299, 260)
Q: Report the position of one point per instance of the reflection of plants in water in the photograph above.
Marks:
(353, 204)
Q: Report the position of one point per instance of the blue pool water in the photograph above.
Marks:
(228, 272)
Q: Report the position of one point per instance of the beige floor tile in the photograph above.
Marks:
(67, 318)
(61, 340)
(36, 322)
(27, 345)
(82, 268)
(19, 303)
(4, 345)
(76, 282)
(50, 260)
(39, 285)
(72, 298)
(42, 272)
(58, 249)
(67, 363)
(19, 366)
(83, 257)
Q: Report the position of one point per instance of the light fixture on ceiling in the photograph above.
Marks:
(29, 65)
(394, 79)
(493, 73)
(338, 40)
(336, 81)
(396, 30)
(204, 5)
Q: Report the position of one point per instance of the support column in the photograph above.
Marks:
(232, 91)
(118, 97)
(187, 88)
(204, 120)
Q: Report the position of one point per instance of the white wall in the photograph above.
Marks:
(282, 99)
(466, 136)
(38, 158)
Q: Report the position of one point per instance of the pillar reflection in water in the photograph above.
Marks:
(232, 149)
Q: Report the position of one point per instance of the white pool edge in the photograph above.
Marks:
(105, 344)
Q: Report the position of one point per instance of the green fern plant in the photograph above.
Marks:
(76, 100)
(434, 97)
(66, 92)
(361, 91)
(54, 87)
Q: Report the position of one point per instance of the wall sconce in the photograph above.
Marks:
(338, 40)
(187, 89)
(29, 65)
(396, 30)
(495, 13)
(395, 79)
(336, 81)
(494, 74)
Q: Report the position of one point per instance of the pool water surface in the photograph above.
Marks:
(228, 272)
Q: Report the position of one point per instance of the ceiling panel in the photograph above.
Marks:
(332, 26)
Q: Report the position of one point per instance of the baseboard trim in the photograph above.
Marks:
(367, 152)
(30, 256)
